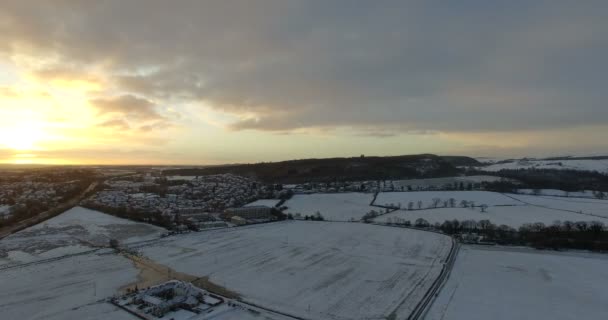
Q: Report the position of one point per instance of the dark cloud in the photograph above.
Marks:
(392, 66)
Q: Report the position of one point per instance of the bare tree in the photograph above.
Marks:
(421, 223)
(452, 202)
(436, 202)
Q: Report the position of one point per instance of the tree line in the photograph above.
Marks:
(582, 235)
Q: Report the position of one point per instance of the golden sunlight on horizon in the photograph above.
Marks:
(53, 122)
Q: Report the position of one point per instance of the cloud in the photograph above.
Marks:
(384, 67)
(116, 124)
(129, 106)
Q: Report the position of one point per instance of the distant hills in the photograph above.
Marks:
(339, 169)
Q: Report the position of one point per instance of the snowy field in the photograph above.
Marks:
(479, 197)
(512, 216)
(333, 206)
(264, 202)
(66, 289)
(316, 270)
(559, 193)
(588, 206)
(523, 284)
(76, 230)
(180, 178)
(581, 165)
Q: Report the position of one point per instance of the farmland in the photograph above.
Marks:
(504, 284)
(316, 270)
(594, 207)
(66, 289)
(599, 165)
(427, 197)
(513, 216)
(510, 210)
(76, 230)
(333, 206)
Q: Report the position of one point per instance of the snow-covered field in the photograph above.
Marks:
(523, 284)
(333, 206)
(588, 206)
(66, 289)
(559, 193)
(316, 270)
(479, 197)
(264, 202)
(581, 165)
(180, 178)
(76, 230)
(512, 216)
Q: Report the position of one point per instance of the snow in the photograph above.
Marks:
(74, 231)
(479, 197)
(559, 193)
(186, 178)
(66, 289)
(503, 284)
(337, 270)
(594, 207)
(98, 223)
(333, 206)
(581, 165)
(224, 312)
(264, 202)
(512, 216)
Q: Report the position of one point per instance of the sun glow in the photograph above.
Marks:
(22, 137)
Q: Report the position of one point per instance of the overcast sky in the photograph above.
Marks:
(193, 82)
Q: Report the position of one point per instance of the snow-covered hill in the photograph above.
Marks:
(599, 165)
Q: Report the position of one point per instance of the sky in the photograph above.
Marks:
(238, 81)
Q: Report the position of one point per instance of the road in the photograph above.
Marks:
(7, 231)
(423, 306)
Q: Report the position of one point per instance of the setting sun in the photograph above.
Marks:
(22, 137)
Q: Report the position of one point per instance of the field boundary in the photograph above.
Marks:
(556, 209)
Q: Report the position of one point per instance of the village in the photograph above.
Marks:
(185, 203)
(24, 194)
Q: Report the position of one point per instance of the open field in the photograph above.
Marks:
(587, 206)
(559, 193)
(513, 216)
(333, 206)
(76, 230)
(316, 270)
(492, 283)
(479, 197)
(599, 165)
(65, 289)
(176, 178)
